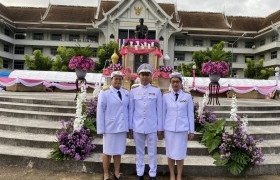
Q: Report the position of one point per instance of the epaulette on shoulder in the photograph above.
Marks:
(154, 85)
(187, 92)
(124, 88)
(105, 88)
(166, 92)
(134, 86)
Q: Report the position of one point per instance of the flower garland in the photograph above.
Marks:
(115, 67)
(166, 69)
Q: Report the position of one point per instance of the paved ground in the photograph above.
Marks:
(21, 173)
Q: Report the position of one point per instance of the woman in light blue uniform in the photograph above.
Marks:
(178, 121)
(112, 123)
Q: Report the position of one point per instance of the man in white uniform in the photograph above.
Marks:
(145, 119)
(112, 122)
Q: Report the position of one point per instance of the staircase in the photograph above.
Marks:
(28, 122)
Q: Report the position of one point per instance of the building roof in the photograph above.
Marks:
(202, 20)
(79, 14)
(240, 23)
(106, 6)
(76, 14)
(26, 14)
(272, 18)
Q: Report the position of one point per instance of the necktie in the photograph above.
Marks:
(176, 94)
(120, 95)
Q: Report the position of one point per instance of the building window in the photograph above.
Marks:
(38, 36)
(131, 33)
(230, 43)
(92, 38)
(18, 64)
(37, 48)
(179, 56)
(20, 36)
(5, 63)
(213, 42)
(249, 57)
(94, 52)
(180, 42)
(198, 42)
(54, 51)
(249, 44)
(56, 37)
(6, 48)
(123, 34)
(7, 32)
(262, 42)
(234, 58)
(262, 56)
(274, 55)
(274, 38)
(19, 50)
(74, 37)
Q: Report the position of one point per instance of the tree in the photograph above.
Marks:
(105, 52)
(255, 70)
(39, 61)
(185, 69)
(1, 63)
(65, 54)
(217, 53)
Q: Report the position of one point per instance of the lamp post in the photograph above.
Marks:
(277, 75)
(232, 44)
(193, 73)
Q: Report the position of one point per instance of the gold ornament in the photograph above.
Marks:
(138, 10)
(115, 57)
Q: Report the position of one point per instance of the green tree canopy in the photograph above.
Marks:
(255, 70)
(217, 53)
(38, 61)
(105, 52)
(185, 69)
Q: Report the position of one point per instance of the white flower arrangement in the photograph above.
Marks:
(203, 103)
(233, 111)
(80, 113)
(244, 125)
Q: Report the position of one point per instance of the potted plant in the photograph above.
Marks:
(81, 61)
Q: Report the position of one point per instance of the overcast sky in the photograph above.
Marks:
(259, 8)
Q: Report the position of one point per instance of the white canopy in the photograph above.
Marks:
(70, 77)
(54, 76)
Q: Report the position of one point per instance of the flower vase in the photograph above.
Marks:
(81, 74)
(214, 77)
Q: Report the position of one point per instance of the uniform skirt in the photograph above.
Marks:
(176, 144)
(114, 143)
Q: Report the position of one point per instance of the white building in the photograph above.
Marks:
(24, 29)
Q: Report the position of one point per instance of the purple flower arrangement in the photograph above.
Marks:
(81, 62)
(215, 68)
(240, 145)
(166, 69)
(115, 67)
(206, 116)
(72, 144)
(92, 107)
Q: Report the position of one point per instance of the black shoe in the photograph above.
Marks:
(140, 177)
(120, 178)
(153, 178)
